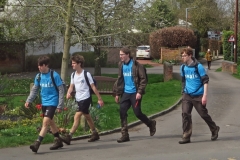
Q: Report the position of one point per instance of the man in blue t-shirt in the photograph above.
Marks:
(52, 98)
(195, 85)
(131, 83)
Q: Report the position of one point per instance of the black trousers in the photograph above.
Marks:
(128, 100)
(187, 105)
(209, 64)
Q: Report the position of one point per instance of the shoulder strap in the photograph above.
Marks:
(39, 77)
(53, 80)
(86, 78)
(196, 69)
(73, 74)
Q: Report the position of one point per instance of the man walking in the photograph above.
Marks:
(131, 83)
(80, 80)
(195, 85)
(52, 97)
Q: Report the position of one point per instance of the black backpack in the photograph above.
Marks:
(53, 80)
(196, 70)
(87, 80)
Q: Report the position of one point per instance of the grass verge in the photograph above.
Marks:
(159, 96)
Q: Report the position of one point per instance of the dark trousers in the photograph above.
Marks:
(128, 100)
(209, 64)
(187, 105)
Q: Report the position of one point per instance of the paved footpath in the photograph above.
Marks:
(223, 106)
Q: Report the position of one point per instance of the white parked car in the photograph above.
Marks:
(143, 52)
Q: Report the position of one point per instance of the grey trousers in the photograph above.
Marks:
(187, 105)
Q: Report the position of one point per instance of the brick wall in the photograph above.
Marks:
(113, 54)
(167, 71)
(228, 66)
(168, 54)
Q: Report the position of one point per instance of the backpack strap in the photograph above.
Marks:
(53, 80)
(87, 80)
(73, 74)
(39, 77)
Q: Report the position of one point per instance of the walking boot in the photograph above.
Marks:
(57, 144)
(66, 139)
(34, 147)
(152, 127)
(124, 138)
(94, 137)
(215, 134)
(124, 131)
(184, 141)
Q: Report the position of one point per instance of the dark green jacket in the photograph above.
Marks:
(139, 75)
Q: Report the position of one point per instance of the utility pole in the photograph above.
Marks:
(236, 32)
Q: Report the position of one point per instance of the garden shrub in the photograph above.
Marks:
(171, 37)
(227, 45)
(90, 57)
(55, 61)
(7, 124)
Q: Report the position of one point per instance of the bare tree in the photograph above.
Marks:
(91, 21)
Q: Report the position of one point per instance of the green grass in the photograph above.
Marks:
(219, 69)
(159, 96)
(13, 101)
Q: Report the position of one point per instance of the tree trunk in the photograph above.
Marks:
(67, 40)
(97, 68)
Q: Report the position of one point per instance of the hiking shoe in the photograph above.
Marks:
(57, 144)
(152, 127)
(215, 134)
(184, 141)
(34, 147)
(66, 139)
(124, 138)
(94, 137)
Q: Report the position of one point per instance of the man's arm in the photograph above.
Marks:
(204, 98)
(70, 90)
(142, 80)
(61, 97)
(100, 101)
(32, 95)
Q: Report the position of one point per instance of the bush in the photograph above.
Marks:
(202, 54)
(32, 61)
(171, 37)
(90, 57)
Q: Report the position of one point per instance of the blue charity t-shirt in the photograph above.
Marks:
(49, 94)
(128, 79)
(193, 81)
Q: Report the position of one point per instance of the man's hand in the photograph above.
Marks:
(59, 110)
(117, 99)
(100, 102)
(138, 96)
(27, 105)
(68, 96)
(204, 100)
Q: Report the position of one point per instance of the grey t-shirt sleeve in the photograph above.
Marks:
(33, 94)
(61, 97)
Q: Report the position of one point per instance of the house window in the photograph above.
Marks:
(106, 41)
(85, 46)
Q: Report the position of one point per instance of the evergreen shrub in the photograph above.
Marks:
(171, 37)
